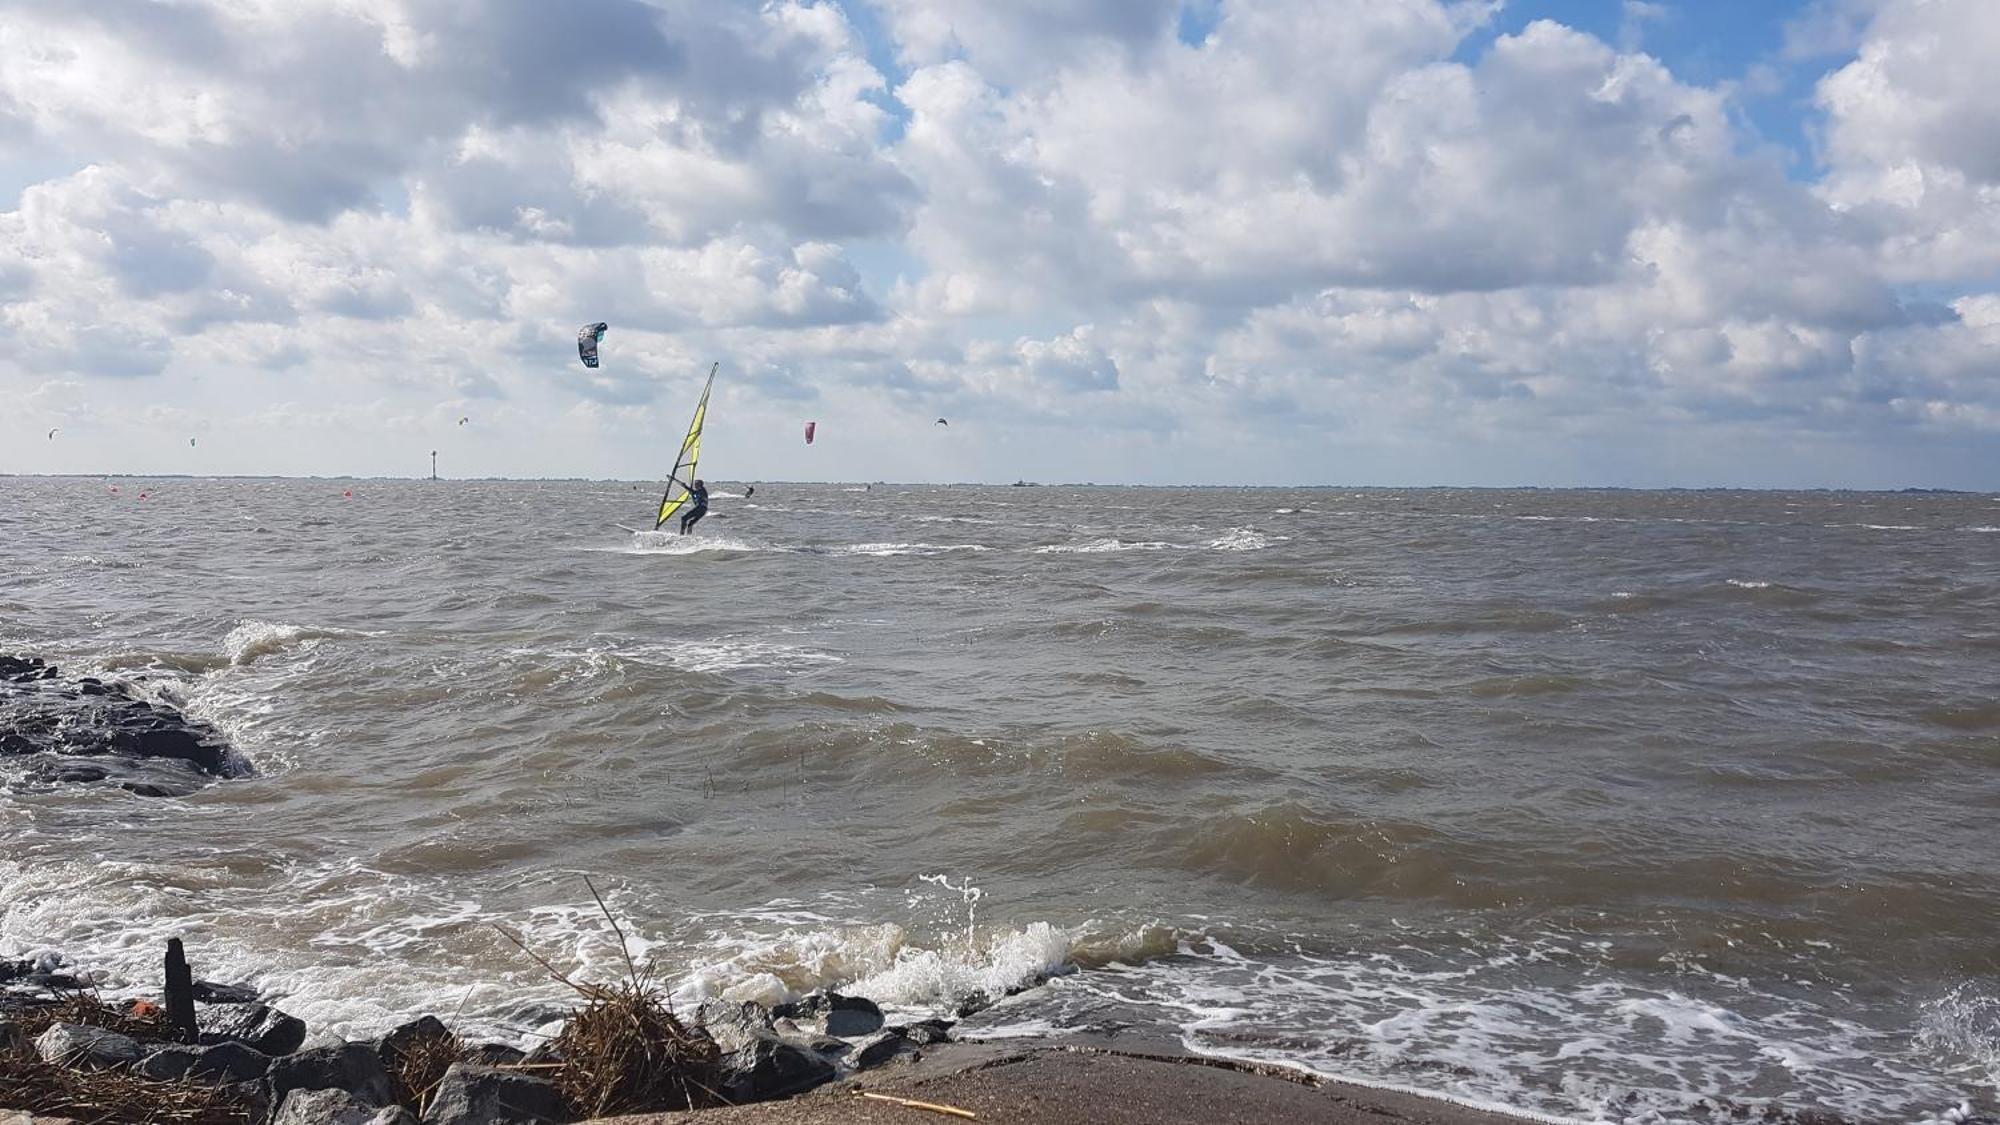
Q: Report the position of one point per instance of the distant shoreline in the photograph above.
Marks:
(1911, 490)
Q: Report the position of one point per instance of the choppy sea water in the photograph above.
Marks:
(1594, 804)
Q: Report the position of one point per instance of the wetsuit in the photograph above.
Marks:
(698, 501)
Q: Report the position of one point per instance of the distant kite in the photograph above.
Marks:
(810, 427)
(54, 432)
(942, 422)
(463, 421)
(587, 339)
(190, 443)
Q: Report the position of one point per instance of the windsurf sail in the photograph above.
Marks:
(683, 474)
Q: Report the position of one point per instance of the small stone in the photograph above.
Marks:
(482, 1095)
(89, 1048)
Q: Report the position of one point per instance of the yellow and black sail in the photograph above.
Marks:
(683, 474)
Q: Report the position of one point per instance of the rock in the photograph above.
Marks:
(148, 748)
(727, 1021)
(494, 1054)
(757, 1064)
(824, 1044)
(255, 1095)
(879, 1048)
(336, 1107)
(90, 1048)
(263, 1027)
(482, 1095)
(846, 1016)
(854, 1016)
(168, 1063)
(391, 1048)
(208, 992)
(229, 1062)
(352, 1067)
(926, 1032)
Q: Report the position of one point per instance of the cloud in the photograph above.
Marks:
(1230, 233)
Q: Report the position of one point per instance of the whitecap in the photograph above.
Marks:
(1242, 539)
(252, 639)
(1749, 584)
(1101, 546)
(884, 550)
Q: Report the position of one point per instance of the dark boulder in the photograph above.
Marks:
(260, 1026)
(757, 1064)
(168, 1063)
(209, 992)
(483, 1095)
(925, 1032)
(494, 1054)
(411, 1037)
(847, 1016)
(229, 1062)
(352, 1067)
(145, 747)
(880, 1048)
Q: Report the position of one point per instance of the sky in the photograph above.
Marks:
(1392, 242)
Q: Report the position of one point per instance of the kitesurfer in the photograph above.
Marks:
(697, 506)
(749, 492)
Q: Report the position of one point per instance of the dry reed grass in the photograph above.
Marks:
(108, 1096)
(625, 1051)
(416, 1070)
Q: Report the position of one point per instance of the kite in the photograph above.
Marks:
(587, 339)
(810, 427)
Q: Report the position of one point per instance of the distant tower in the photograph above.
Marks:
(434, 464)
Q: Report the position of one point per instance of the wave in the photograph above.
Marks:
(672, 543)
(253, 639)
(708, 657)
(1235, 539)
(1100, 546)
(883, 550)
(1241, 539)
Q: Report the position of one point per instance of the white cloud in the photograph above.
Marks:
(1328, 239)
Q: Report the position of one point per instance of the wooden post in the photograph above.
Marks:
(180, 992)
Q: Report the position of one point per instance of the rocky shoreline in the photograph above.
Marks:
(80, 730)
(206, 1053)
(236, 1057)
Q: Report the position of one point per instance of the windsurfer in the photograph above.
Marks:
(698, 506)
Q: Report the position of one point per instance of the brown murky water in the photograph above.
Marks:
(1590, 803)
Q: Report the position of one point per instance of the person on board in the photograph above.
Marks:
(697, 506)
